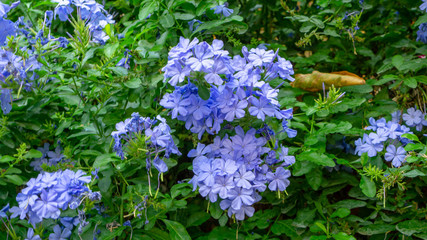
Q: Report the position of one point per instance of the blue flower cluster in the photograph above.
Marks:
(49, 193)
(237, 85)
(388, 133)
(94, 13)
(17, 66)
(237, 168)
(158, 139)
(50, 158)
(15, 73)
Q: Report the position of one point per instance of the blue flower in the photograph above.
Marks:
(160, 165)
(259, 57)
(278, 180)
(7, 28)
(422, 32)
(423, 6)
(63, 9)
(380, 136)
(59, 234)
(194, 24)
(222, 9)
(202, 59)
(396, 156)
(235, 111)
(176, 103)
(56, 156)
(6, 100)
(4, 8)
(261, 107)
(245, 210)
(413, 117)
(46, 206)
(4, 210)
(31, 236)
(369, 147)
(283, 156)
(177, 72)
(242, 178)
(241, 196)
(223, 185)
(124, 62)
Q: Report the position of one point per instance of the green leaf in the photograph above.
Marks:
(304, 217)
(204, 92)
(376, 228)
(88, 55)
(147, 9)
(319, 23)
(133, 83)
(412, 226)
(176, 230)
(315, 157)
(412, 159)
(15, 179)
(198, 218)
(314, 178)
(120, 71)
(421, 20)
(33, 154)
(341, 213)
(323, 3)
(411, 136)
(410, 82)
(414, 146)
(167, 21)
(215, 210)
(349, 203)
(385, 68)
(343, 236)
(331, 32)
(104, 184)
(321, 226)
(184, 16)
(223, 220)
(6, 158)
(414, 173)
(321, 237)
(112, 235)
(216, 23)
(103, 160)
(397, 61)
(180, 189)
(386, 79)
(110, 49)
(368, 187)
(285, 226)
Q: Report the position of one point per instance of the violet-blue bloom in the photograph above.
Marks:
(31, 236)
(59, 234)
(223, 9)
(413, 117)
(395, 155)
(278, 180)
(423, 6)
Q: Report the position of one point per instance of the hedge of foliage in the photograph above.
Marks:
(202, 119)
